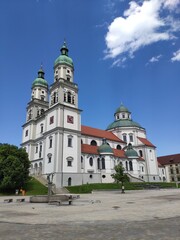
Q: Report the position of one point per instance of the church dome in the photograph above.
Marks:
(123, 123)
(123, 119)
(64, 58)
(122, 108)
(105, 148)
(40, 81)
(130, 152)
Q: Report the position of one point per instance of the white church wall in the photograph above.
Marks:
(70, 152)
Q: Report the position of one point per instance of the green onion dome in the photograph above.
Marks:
(64, 58)
(122, 108)
(130, 152)
(123, 123)
(105, 148)
(40, 81)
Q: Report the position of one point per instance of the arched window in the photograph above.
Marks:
(124, 138)
(140, 153)
(103, 163)
(42, 126)
(131, 138)
(36, 168)
(98, 163)
(40, 168)
(130, 166)
(93, 143)
(65, 97)
(82, 163)
(73, 99)
(69, 181)
(118, 147)
(49, 157)
(91, 161)
(69, 97)
(126, 166)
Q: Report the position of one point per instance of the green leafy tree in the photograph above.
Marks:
(14, 167)
(119, 176)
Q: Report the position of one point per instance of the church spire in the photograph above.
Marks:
(64, 49)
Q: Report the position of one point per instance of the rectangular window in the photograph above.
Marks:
(69, 142)
(50, 143)
(36, 149)
(51, 120)
(26, 133)
(131, 138)
(124, 138)
(41, 128)
(69, 163)
(49, 159)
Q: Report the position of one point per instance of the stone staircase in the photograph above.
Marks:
(134, 179)
(55, 190)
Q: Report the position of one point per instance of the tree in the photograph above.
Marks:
(120, 176)
(14, 167)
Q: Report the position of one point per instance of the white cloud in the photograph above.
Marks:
(155, 58)
(141, 25)
(176, 56)
(171, 4)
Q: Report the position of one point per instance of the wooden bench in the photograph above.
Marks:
(8, 200)
(58, 199)
(20, 200)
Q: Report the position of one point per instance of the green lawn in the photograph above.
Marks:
(87, 188)
(33, 187)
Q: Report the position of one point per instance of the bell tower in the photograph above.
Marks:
(64, 90)
(39, 97)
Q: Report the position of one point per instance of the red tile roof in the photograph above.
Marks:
(146, 142)
(94, 132)
(119, 153)
(169, 159)
(85, 148)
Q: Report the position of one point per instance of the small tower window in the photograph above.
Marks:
(26, 133)
(42, 128)
(69, 97)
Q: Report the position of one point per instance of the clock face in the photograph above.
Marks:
(70, 119)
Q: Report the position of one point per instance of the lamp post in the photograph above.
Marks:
(122, 188)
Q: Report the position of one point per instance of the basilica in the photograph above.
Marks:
(75, 154)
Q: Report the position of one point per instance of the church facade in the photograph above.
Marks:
(57, 143)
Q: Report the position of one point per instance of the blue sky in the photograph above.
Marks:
(123, 51)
